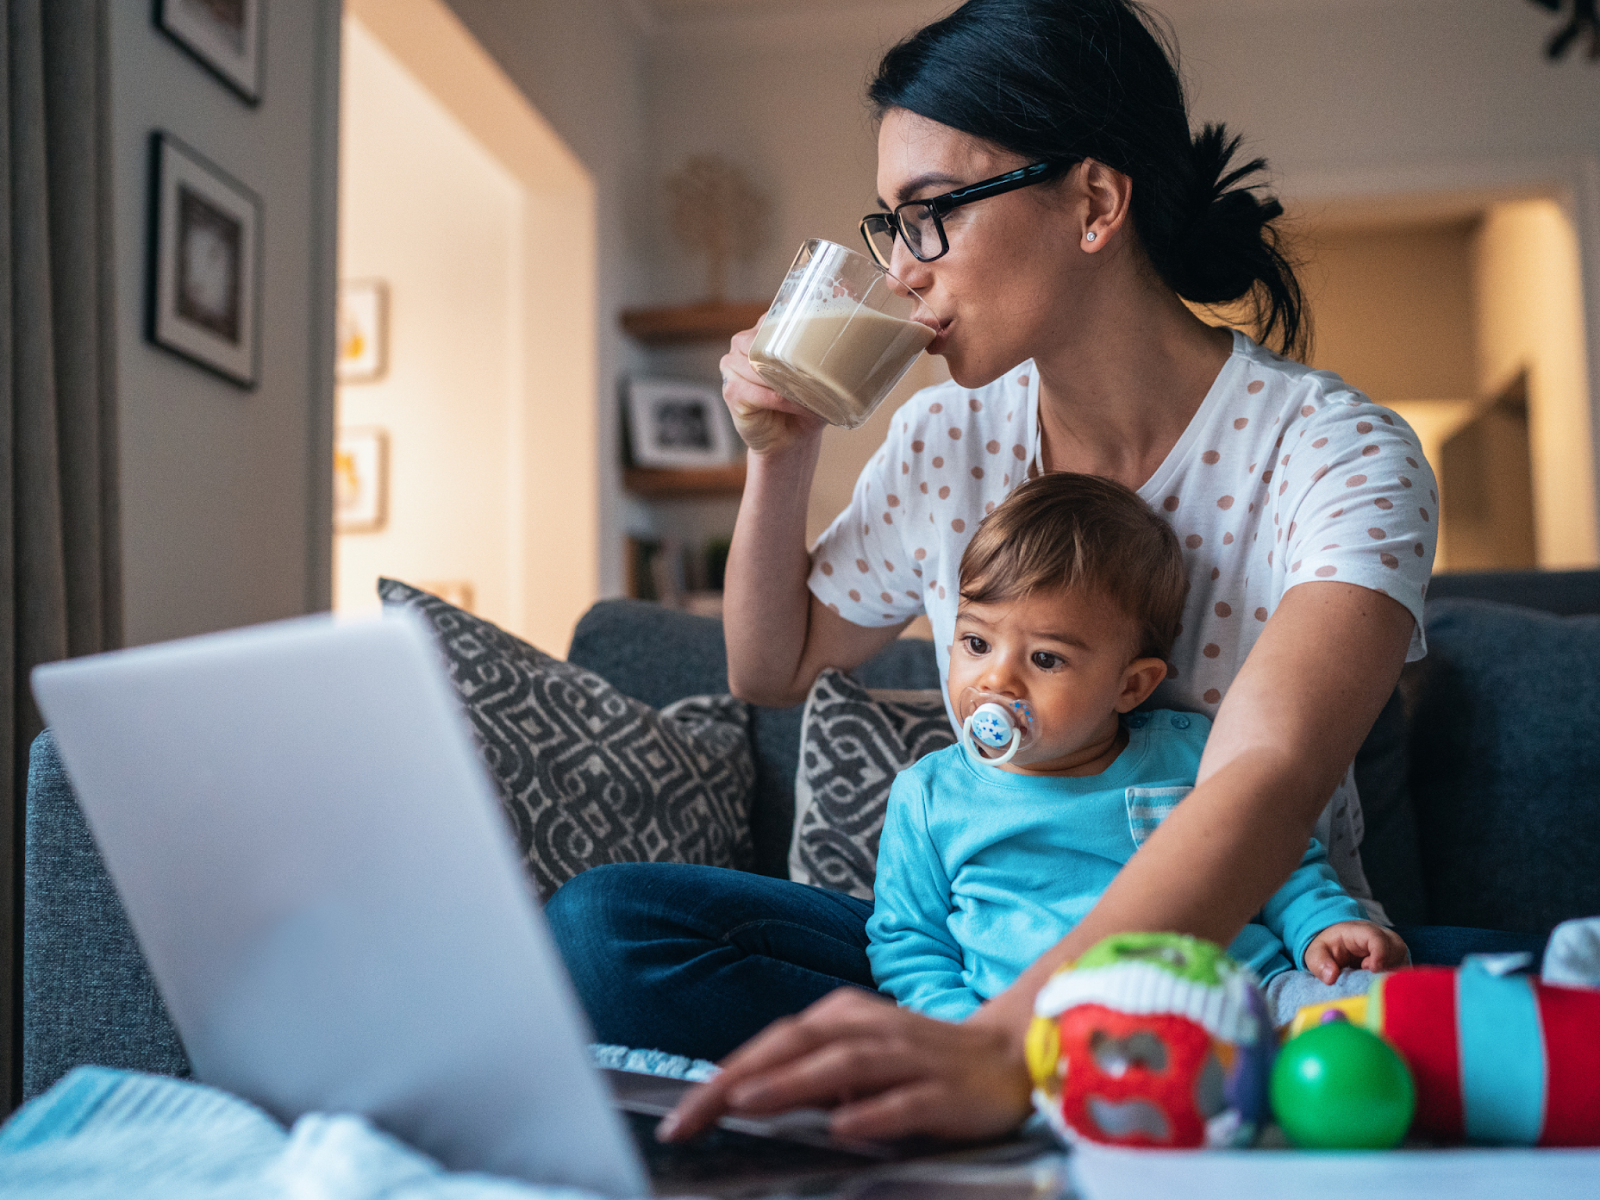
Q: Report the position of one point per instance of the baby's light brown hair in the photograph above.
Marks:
(1084, 533)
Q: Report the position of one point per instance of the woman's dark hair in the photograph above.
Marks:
(1064, 80)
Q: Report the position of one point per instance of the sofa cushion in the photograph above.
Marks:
(657, 655)
(588, 775)
(852, 744)
(1504, 765)
(87, 995)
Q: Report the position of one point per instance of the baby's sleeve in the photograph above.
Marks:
(858, 567)
(1308, 903)
(1357, 503)
(913, 955)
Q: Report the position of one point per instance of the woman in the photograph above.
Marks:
(1061, 290)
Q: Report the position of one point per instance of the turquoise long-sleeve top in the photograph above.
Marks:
(980, 871)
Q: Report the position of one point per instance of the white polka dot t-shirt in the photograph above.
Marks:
(1285, 476)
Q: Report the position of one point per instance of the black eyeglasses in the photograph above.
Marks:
(921, 222)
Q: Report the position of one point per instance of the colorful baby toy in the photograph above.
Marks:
(1341, 1087)
(1152, 1039)
(1497, 1058)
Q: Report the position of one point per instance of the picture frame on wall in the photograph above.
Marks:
(224, 36)
(205, 256)
(363, 354)
(360, 480)
(673, 423)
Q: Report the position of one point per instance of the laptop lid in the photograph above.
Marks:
(320, 875)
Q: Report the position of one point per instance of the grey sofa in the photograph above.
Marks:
(1480, 782)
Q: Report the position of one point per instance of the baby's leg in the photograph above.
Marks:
(1291, 991)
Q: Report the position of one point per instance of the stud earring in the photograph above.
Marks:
(1090, 236)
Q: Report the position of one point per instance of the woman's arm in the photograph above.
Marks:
(1290, 725)
(779, 635)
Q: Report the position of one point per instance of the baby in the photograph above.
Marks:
(1071, 596)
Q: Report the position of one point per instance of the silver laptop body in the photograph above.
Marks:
(320, 876)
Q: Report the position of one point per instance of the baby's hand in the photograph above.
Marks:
(1354, 944)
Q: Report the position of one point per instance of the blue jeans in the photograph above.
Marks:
(697, 960)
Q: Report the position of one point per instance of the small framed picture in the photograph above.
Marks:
(224, 36)
(363, 331)
(676, 424)
(360, 480)
(205, 254)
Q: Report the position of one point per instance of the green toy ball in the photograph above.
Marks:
(1342, 1087)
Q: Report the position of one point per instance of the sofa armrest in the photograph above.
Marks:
(87, 996)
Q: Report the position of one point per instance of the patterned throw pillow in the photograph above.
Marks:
(852, 744)
(587, 775)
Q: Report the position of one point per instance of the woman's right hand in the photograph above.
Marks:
(764, 419)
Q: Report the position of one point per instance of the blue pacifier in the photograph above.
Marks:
(997, 728)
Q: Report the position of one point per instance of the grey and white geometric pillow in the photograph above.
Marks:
(852, 744)
(586, 774)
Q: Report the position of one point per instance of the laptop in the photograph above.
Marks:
(321, 878)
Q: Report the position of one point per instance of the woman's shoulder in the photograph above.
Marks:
(1302, 392)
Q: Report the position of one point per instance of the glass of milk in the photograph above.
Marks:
(838, 337)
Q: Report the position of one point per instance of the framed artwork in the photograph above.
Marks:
(676, 424)
(224, 36)
(363, 331)
(205, 256)
(360, 480)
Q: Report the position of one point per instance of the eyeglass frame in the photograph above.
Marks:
(938, 206)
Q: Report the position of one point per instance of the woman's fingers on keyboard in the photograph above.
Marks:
(886, 1072)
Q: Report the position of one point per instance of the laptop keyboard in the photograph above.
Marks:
(737, 1163)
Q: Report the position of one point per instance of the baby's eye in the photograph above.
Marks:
(975, 644)
(1046, 661)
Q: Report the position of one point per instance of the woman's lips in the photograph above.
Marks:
(941, 338)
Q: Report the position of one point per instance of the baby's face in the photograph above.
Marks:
(1066, 653)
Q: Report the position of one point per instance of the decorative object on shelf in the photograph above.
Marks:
(675, 575)
(205, 262)
(224, 36)
(363, 354)
(718, 213)
(1585, 19)
(1152, 1039)
(360, 480)
(677, 424)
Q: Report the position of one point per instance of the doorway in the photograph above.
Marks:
(1466, 316)
(467, 444)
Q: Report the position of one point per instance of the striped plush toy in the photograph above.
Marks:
(1497, 1058)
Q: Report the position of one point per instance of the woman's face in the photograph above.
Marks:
(1013, 281)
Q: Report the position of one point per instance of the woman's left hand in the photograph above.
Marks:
(886, 1072)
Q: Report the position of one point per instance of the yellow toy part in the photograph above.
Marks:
(1353, 1008)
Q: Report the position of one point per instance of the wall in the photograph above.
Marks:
(426, 208)
(1530, 317)
(226, 492)
(578, 65)
(1394, 308)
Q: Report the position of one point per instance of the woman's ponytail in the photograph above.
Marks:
(1072, 79)
(1218, 243)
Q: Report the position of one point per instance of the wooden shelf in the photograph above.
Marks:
(691, 322)
(664, 484)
